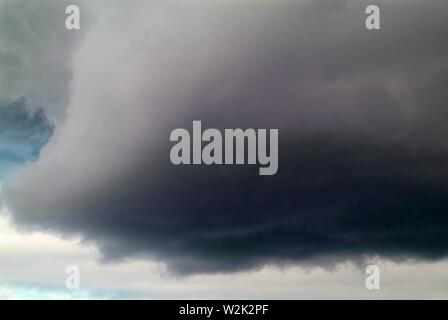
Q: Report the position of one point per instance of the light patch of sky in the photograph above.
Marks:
(32, 266)
(22, 135)
(29, 293)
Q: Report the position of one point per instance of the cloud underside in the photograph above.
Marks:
(362, 154)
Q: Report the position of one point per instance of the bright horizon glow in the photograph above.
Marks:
(32, 267)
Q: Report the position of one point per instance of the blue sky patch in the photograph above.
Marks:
(22, 134)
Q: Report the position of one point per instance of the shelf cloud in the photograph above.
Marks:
(362, 149)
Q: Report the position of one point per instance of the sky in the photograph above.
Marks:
(85, 175)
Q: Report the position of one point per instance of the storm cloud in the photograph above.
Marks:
(362, 154)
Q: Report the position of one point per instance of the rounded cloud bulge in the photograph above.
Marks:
(361, 163)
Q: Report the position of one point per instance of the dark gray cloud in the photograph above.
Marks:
(360, 114)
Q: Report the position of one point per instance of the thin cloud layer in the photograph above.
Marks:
(362, 155)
